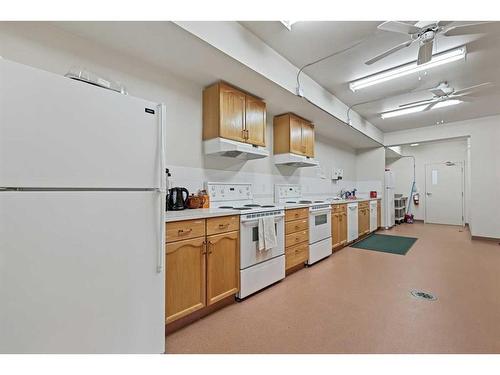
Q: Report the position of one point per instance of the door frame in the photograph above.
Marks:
(462, 165)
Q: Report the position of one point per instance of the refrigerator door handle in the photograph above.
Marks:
(162, 190)
(161, 240)
(161, 111)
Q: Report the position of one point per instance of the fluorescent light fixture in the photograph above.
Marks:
(419, 108)
(406, 69)
(415, 144)
(288, 24)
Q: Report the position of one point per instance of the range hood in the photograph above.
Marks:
(294, 160)
(233, 149)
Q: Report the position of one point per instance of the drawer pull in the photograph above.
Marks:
(182, 232)
(297, 227)
(222, 226)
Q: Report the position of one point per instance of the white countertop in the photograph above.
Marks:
(340, 201)
(198, 213)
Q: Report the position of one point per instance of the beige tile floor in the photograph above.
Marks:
(358, 301)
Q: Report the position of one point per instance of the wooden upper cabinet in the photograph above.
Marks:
(185, 277)
(223, 266)
(293, 134)
(308, 138)
(233, 114)
(255, 121)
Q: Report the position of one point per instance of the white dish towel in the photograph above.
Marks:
(267, 233)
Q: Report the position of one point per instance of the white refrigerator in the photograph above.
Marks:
(81, 217)
(389, 214)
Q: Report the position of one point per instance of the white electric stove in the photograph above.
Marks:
(320, 229)
(258, 269)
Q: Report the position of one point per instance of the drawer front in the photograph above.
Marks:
(183, 230)
(296, 214)
(296, 238)
(296, 255)
(296, 226)
(223, 224)
(339, 208)
(363, 205)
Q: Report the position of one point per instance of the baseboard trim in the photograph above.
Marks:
(481, 238)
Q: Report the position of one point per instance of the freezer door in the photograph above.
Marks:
(58, 132)
(80, 272)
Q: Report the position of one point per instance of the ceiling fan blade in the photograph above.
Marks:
(464, 98)
(417, 102)
(425, 52)
(388, 52)
(430, 106)
(469, 28)
(444, 23)
(399, 27)
(471, 88)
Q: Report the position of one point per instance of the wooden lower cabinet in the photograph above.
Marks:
(203, 270)
(339, 226)
(223, 271)
(296, 237)
(185, 277)
(343, 227)
(363, 220)
(297, 254)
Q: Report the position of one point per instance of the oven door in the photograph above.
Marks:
(319, 225)
(249, 242)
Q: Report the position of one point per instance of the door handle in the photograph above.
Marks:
(428, 193)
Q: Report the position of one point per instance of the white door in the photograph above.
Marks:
(58, 132)
(79, 272)
(373, 215)
(444, 186)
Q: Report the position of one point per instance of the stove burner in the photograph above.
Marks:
(318, 201)
(268, 206)
(230, 207)
(242, 208)
(290, 202)
(252, 205)
(305, 202)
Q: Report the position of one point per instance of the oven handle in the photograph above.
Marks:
(277, 217)
(320, 211)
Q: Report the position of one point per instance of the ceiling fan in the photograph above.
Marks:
(423, 32)
(444, 92)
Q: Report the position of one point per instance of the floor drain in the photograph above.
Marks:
(423, 295)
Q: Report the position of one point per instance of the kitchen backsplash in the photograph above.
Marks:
(263, 184)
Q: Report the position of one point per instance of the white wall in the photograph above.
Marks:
(441, 151)
(52, 49)
(484, 168)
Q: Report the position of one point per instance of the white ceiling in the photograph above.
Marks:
(311, 40)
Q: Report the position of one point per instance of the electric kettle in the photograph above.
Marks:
(177, 198)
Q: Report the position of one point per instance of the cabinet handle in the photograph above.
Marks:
(204, 251)
(210, 243)
(222, 226)
(182, 232)
(297, 227)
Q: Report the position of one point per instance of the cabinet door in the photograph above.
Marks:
(255, 121)
(185, 277)
(343, 228)
(366, 221)
(223, 266)
(308, 139)
(296, 145)
(335, 230)
(232, 113)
